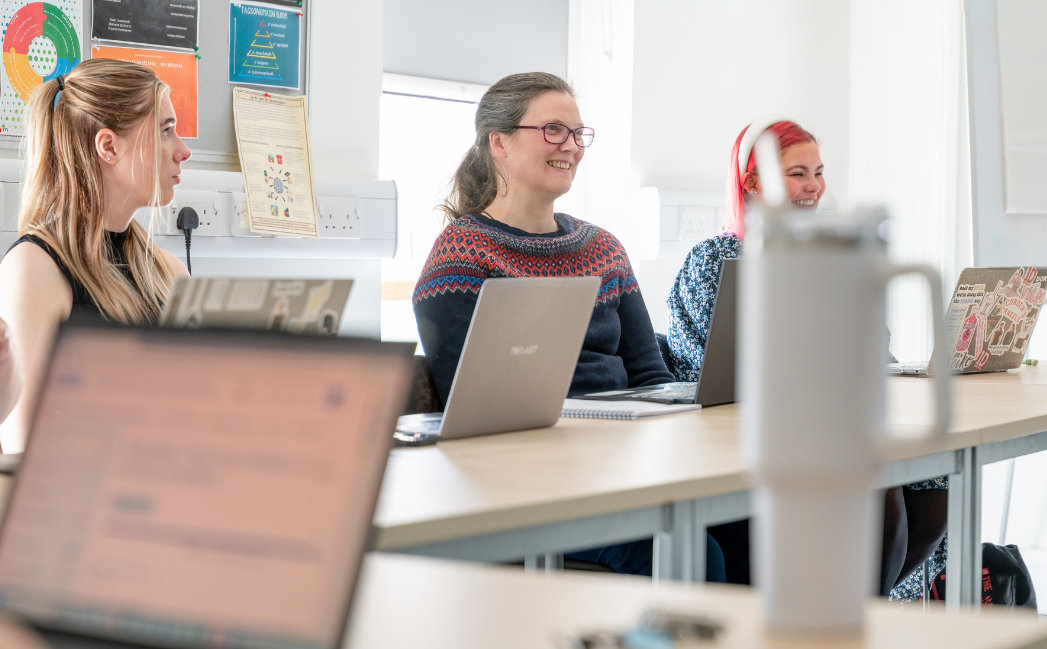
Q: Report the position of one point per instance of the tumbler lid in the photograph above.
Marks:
(774, 228)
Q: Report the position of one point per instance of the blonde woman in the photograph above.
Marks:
(101, 144)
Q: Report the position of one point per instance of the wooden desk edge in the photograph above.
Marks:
(397, 535)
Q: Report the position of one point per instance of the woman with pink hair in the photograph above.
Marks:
(915, 516)
(692, 298)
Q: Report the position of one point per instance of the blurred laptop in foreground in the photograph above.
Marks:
(199, 489)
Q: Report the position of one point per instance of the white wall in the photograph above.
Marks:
(908, 148)
(1000, 238)
(695, 87)
(478, 41)
(704, 69)
(345, 84)
(606, 191)
(1023, 87)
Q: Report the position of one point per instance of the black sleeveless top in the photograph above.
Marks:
(82, 302)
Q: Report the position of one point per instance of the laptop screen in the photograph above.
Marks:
(200, 489)
(309, 306)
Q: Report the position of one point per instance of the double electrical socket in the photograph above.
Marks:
(340, 217)
(207, 208)
(698, 222)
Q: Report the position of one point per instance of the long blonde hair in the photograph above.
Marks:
(63, 201)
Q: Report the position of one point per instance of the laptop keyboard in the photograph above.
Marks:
(907, 368)
(424, 424)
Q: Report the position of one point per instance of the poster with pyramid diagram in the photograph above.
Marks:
(264, 44)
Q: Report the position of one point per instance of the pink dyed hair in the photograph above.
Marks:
(788, 134)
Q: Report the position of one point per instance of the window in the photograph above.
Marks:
(426, 129)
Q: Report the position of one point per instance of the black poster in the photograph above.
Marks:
(168, 23)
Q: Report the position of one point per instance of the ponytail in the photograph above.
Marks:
(63, 202)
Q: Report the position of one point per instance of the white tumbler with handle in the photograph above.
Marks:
(812, 364)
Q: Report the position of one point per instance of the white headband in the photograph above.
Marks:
(754, 131)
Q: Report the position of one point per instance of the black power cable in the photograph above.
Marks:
(188, 220)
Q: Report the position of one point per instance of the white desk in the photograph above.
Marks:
(413, 602)
(587, 483)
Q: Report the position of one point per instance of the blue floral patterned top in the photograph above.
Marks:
(690, 314)
(691, 302)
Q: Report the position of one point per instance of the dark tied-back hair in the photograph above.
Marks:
(475, 185)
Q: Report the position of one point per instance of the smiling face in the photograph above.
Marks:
(802, 169)
(530, 164)
(804, 182)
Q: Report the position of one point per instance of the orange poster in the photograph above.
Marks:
(176, 69)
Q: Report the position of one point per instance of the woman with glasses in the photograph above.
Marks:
(915, 516)
(530, 139)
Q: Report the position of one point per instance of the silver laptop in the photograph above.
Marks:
(518, 359)
(198, 489)
(303, 306)
(715, 385)
(989, 321)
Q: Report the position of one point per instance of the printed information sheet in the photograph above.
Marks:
(272, 135)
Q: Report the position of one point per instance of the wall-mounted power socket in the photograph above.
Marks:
(207, 207)
(340, 217)
(240, 224)
(698, 223)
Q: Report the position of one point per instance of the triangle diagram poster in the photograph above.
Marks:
(264, 44)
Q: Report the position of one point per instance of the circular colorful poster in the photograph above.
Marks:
(40, 43)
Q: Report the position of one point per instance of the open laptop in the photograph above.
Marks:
(518, 360)
(199, 488)
(989, 321)
(715, 385)
(302, 306)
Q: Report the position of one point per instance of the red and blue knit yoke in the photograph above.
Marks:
(620, 349)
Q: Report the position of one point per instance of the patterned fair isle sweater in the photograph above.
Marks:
(620, 349)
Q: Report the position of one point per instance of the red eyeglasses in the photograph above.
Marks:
(558, 133)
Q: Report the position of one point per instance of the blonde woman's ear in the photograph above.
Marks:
(105, 144)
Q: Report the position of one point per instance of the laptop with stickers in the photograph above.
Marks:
(989, 321)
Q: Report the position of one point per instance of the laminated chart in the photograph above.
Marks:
(41, 40)
(265, 44)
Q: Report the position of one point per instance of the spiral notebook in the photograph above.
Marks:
(583, 409)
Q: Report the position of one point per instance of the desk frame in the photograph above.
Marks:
(679, 529)
(965, 498)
